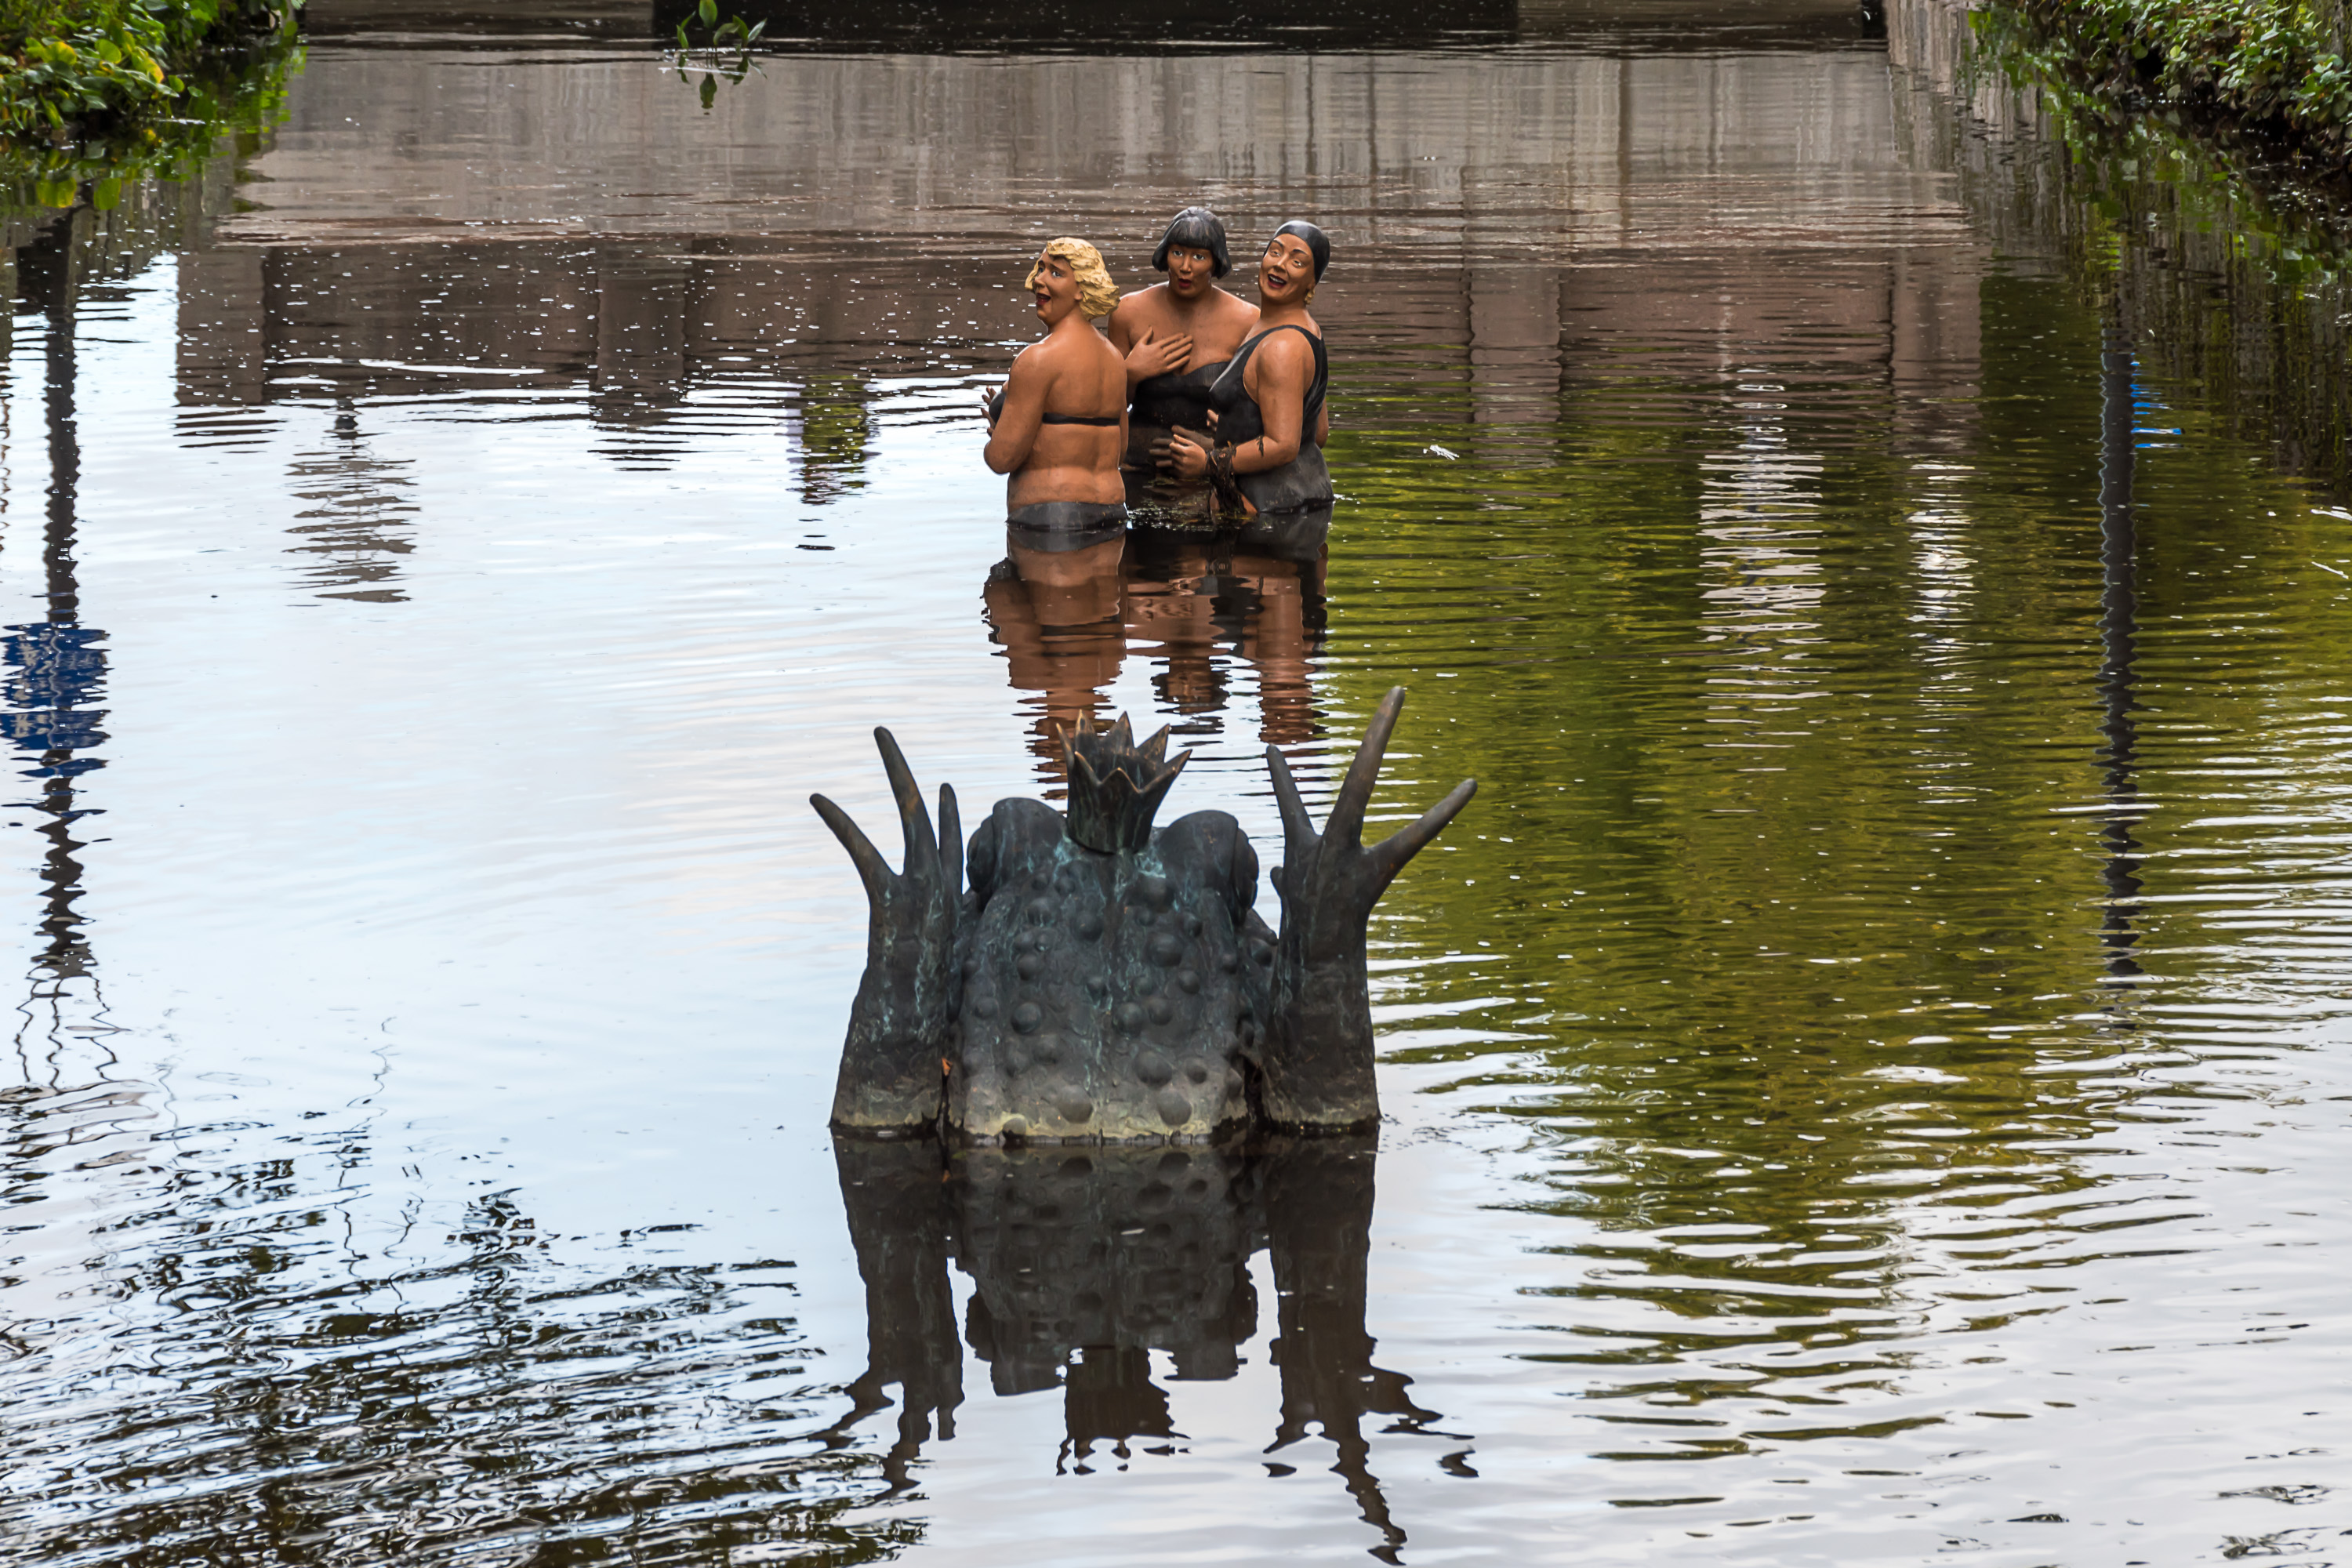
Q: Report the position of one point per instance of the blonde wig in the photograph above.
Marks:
(1097, 295)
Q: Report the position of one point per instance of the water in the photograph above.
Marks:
(1862, 1080)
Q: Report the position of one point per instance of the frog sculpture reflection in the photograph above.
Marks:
(1102, 980)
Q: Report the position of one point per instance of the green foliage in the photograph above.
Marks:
(2289, 226)
(2233, 258)
(2267, 66)
(726, 51)
(92, 92)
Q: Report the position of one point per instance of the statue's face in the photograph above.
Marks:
(1192, 270)
(1287, 271)
(1055, 288)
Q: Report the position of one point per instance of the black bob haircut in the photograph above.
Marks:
(1317, 242)
(1200, 229)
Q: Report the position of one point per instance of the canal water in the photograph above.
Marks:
(1866, 1081)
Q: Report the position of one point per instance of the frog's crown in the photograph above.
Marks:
(1116, 786)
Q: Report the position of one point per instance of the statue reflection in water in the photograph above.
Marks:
(1084, 1260)
(1067, 619)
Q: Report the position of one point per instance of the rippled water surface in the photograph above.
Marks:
(1866, 1080)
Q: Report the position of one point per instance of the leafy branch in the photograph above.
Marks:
(731, 38)
(2274, 189)
(2276, 67)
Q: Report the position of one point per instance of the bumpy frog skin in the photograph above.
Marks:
(1102, 980)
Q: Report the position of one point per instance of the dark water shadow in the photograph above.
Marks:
(1066, 26)
(55, 666)
(1085, 1265)
(925, 26)
(2118, 649)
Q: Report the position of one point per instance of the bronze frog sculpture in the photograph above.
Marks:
(1102, 980)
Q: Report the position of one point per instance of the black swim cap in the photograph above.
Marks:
(1317, 242)
(1202, 231)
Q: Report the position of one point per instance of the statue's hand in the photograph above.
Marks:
(1195, 456)
(1316, 1056)
(1155, 355)
(898, 1028)
(1188, 453)
(917, 904)
(1329, 881)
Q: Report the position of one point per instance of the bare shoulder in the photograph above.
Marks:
(1289, 350)
(1234, 309)
(1144, 308)
(1041, 358)
(1106, 349)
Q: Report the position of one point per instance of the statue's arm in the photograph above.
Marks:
(1014, 433)
(1281, 370)
(1317, 1058)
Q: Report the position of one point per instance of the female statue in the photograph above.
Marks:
(1266, 407)
(1059, 423)
(1178, 335)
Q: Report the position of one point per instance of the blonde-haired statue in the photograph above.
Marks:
(1058, 426)
(1097, 295)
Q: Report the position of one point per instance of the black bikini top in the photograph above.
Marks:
(1239, 418)
(996, 412)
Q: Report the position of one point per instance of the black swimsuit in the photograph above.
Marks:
(1160, 403)
(1177, 397)
(1303, 481)
(1058, 525)
(996, 412)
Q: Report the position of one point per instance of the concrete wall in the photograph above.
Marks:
(1497, 216)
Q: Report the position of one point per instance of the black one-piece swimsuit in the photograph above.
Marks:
(1304, 481)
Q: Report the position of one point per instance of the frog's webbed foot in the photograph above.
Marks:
(1318, 1060)
(892, 1064)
